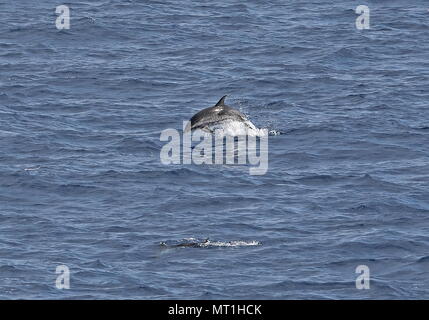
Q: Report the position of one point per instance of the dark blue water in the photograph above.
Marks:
(81, 182)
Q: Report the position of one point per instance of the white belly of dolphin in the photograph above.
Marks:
(236, 128)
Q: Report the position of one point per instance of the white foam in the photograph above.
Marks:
(206, 243)
(237, 128)
(238, 243)
(32, 169)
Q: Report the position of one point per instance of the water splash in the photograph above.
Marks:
(207, 243)
(237, 128)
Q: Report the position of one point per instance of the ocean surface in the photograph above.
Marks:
(82, 184)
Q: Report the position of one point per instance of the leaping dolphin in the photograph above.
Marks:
(212, 116)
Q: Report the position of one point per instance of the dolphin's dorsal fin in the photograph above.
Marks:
(221, 102)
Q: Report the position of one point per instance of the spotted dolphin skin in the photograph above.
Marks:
(211, 116)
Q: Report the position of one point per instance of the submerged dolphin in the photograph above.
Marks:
(212, 116)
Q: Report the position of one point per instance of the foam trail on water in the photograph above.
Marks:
(206, 243)
(237, 243)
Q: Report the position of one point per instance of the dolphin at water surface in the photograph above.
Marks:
(220, 113)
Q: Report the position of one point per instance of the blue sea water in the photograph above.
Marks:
(82, 184)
